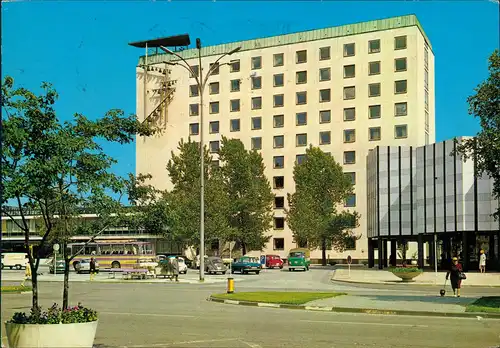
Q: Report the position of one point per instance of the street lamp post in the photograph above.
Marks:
(201, 83)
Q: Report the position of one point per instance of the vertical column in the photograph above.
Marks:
(394, 253)
(493, 259)
(385, 253)
(380, 253)
(431, 252)
(371, 253)
(465, 252)
(420, 241)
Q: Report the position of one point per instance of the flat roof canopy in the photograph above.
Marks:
(169, 41)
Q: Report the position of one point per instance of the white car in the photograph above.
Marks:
(183, 268)
(84, 266)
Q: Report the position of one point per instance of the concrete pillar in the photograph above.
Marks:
(371, 253)
(385, 254)
(420, 242)
(394, 253)
(380, 253)
(431, 252)
(465, 252)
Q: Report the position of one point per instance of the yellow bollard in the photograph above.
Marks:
(230, 285)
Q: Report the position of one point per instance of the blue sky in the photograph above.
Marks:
(81, 47)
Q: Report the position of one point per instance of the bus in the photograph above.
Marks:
(113, 253)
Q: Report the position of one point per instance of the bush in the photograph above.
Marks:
(405, 269)
(56, 315)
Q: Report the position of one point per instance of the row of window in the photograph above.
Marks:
(349, 71)
(374, 46)
(279, 243)
(325, 95)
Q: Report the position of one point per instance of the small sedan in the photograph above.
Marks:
(59, 269)
(214, 265)
(246, 265)
(84, 266)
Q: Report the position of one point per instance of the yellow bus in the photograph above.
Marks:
(113, 253)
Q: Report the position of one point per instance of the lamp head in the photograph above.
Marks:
(237, 49)
(166, 50)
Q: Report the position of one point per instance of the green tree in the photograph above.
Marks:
(321, 188)
(485, 147)
(250, 195)
(58, 168)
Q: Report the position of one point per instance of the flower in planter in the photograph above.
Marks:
(55, 315)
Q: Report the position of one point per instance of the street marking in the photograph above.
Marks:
(149, 314)
(251, 345)
(272, 305)
(362, 323)
(184, 342)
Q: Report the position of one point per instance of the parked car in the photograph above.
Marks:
(273, 261)
(183, 268)
(299, 258)
(83, 266)
(14, 260)
(214, 265)
(59, 269)
(246, 264)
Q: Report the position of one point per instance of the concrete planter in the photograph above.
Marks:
(406, 276)
(51, 335)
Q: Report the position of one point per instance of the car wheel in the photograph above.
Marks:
(10, 267)
(232, 271)
(115, 264)
(281, 267)
(18, 267)
(257, 272)
(2, 266)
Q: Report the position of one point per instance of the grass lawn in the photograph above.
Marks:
(14, 289)
(488, 304)
(293, 298)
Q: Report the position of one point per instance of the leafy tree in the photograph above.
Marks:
(313, 215)
(250, 195)
(58, 168)
(485, 105)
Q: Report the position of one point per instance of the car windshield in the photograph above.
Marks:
(297, 254)
(249, 259)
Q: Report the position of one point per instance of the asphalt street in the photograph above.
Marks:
(178, 315)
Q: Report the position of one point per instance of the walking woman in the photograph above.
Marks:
(456, 275)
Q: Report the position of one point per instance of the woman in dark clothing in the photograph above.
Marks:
(455, 276)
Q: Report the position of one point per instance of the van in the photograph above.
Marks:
(14, 260)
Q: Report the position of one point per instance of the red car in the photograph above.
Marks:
(273, 261)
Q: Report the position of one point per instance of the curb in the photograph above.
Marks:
(358, 310)
(410, 283)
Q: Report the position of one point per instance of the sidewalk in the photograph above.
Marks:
(375, 276)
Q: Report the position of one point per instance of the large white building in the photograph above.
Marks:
(346, 89)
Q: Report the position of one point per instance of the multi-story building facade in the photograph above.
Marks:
(429, 194)
(346, 89)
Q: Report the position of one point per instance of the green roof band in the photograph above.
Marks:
(288, 39)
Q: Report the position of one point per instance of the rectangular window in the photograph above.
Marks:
(301, 118)
(374, 90)
(426, 79)
(214, 146)
(400, 42)
(235, 65)
(373, 46)
(324, 53)
(400, 64)
(235, 85)
(215, 163)
(196, 71)
(325, 116)
(278, 182)
(193, 91)
(214, 68)
(256, 123)
(278, 162)
(349, 114)
(375, 111)
(349, 71)
(349, 157)
(374, 134)
(256, 63)
(325, 138)
(349, 50)
(350, 202)
(349, 135)
(257, 143)
(374, 68)
(256, 82)
(278, 59)
(278, 80)
(234, 105)
(256, 103)
(349, 93)
(401, 131)
(235, 125)
(324, 95)
(301, 56)
(325, 74)
(401, 109)
(213, 127)
(301, 139)
(278, 100)
(427, 121)
(194, 128)
(351, 176)
(301, 98)
(278, 141)
(194, 109)
(279, 223)
(426, 99)
(214, 107)
(400, 87)
(279, 202)
(426, 56)
(300, 77)
(299, 159)
(278, 121)
(350, 243)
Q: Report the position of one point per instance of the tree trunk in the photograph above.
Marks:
(34, 289)
(243, 249)
(323, 252)
(66, 277)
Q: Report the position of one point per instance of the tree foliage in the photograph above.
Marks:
(485, 105)
(321, 188)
